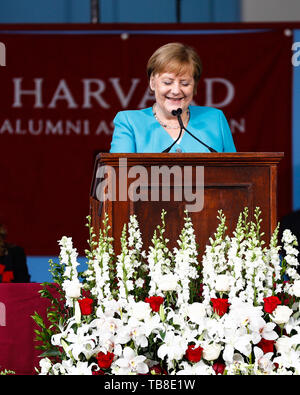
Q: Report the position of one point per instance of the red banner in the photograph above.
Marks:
(60, 91)
(18, 345)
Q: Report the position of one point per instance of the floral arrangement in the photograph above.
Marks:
(6, 372)
(234, 311)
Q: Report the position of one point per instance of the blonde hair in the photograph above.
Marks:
(175, 58)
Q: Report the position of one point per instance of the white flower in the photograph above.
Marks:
(289, 355)
(81, 368)
(199, 369)
(45, 365)
(66, 242)
(140, 338)
(196, 312)
(283, 345)
(223, 283)
(139, 282)
(236, 339)
(267, 331)
(81, 342)
(174, 347)
(168, 282)
(281, 314)
(263, 361)
(140, 310)
(288, 237)
(293, 324)
(72, 288)
(211, 351)
(131, 363)
(137, 332)
(296, 288)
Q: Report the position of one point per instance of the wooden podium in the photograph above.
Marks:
(123, 184)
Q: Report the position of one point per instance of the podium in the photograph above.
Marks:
(145, 184)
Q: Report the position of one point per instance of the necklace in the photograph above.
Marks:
(164, 125)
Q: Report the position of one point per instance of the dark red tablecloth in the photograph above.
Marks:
(17, 345)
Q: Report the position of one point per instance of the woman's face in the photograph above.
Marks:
(172, 91)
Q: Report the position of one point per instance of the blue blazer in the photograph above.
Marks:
(139, 131)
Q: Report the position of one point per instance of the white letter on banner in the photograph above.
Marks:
(63, 93)
(2, 54)
(2, 314)
(209, 92)
(147, 97)
(37, 92)
(88, 93)
(124, 100)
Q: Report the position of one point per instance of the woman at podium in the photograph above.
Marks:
(172, 124)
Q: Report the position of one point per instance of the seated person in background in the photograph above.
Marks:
(13, 265)
(173, 71)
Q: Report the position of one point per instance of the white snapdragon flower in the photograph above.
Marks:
(66, 243)
(296, 288)
(288, 237)
(168, 282)
(140, 283)
(223, 282)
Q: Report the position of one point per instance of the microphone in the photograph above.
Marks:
(178, 113)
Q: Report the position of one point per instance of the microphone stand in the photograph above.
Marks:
(205, 145)
(178, 113)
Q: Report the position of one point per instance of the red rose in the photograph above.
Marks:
(219, 367)
(7, 276)
(86, 306)
(155, 302)
(105, 360)
(266, 345)
(157, 369)
(220, 306)
(98, 373)
(2, 268)
(194, 354)
(270, 303)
